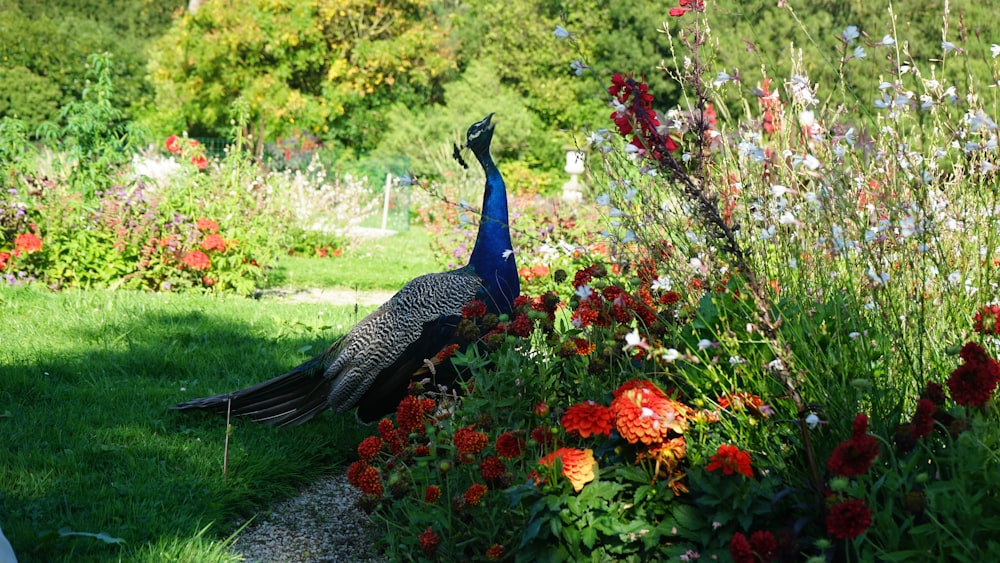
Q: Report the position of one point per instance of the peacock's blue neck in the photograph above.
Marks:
(492, 257)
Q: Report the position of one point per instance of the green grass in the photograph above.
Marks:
(86, 379)
(400, 258)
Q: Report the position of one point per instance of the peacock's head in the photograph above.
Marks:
(479, 135)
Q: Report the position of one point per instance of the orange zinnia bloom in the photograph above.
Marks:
(27, 243)
(643, 413)
(577, 465)
(587, 419)
(197, 260)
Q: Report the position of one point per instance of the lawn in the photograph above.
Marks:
(97, 468)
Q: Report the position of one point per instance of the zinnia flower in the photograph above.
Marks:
(642, 413)
(587, 419)
(432, 493)
(731, 459)
(491, 468)
(849, 519)
(853, 457)
(475, 494)
(369, 482)
(509, 446)
(412, 412)
(429, 541)
(973, 382)
(739, 549)
(27, 243)
(923, 420)
(577, 465)
(197, 260)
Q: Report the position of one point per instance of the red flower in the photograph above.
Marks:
(923, 420)
(973, 382)
(587, 419)
(577, 465)
(429, 541)
(495, 551)
(473, 309)
(396, 439)
(491, 468)
(197, 260)
(4, 257)
(509, 446)
(731, 459)
(764, 545)
(740, 550)
(199, 161)
(468, 441)
(205, 224)
(541, 409)
(27, 243)
(354, 471)
(208, 281)
(369, 448)
(173, 144)
(584, 347)
(853, 457)
(521, 326)
(214, 242)
(987, 320)
(432, 493)
(935, 392)
(368, 481)
(475, 494)
(412, 412)
(543, 435)
(849, 519)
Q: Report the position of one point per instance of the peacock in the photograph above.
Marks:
(372, 365)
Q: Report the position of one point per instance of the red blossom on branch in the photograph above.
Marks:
(731, 459)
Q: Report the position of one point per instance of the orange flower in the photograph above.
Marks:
(205, 224)
(643, 413)
(214, 242)
(475, 494)
(173, 144)
(731, 459)
(27, 243)
(577, 465)
(197, 260)
(468, 441)
(587, 419)
(4, 257)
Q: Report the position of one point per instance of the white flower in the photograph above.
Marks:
(954, 277)
(995, 49)
(584, 292)
(662, 283)
(859, 52)
(850, 34)
(888, 40)
(604, 199)
(671, 355)
(561, 33)
(812, 420)
(736, 360)
(507, 254)
(721, 79)
(948, 46)
(907, 226)
(633, 340)
(578, 67)
(788, 219)
(705, 343)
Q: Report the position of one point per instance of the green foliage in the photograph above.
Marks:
(328, 68)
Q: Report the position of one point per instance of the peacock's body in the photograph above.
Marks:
(370, 367)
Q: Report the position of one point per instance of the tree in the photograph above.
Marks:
(324, 67)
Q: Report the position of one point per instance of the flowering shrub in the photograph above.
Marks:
(758, 370)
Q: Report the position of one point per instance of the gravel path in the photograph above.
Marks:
(320, 524)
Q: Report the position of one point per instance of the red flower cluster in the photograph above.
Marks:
(495, 552)
(369, 448)
(685, 6)
(174, 146)
(214, 242)
(429, 541)
(206, 224)
(987, 320)
(587, 419)
(432, 493)
(412, 412)
(731, 459)
(468, 441)
(745, 401)
(197, 260)
(4, 257)
(475, 494)
(923, 420)
(26, 243)
(634, 105)
(394, 437)
(491, 468)
(509, 445)
(973, 382)
(365, 478)
(760, 547)
(473, 309)
(534, 272)
(854, 456)
(848, 519)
